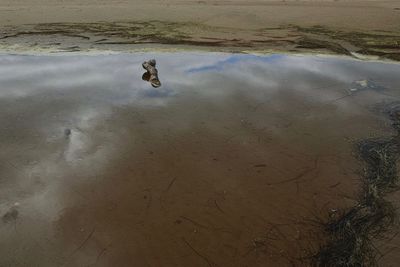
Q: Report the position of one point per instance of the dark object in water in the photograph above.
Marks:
(260, 165)
(10, 215)
(151, 74)
(67, 132)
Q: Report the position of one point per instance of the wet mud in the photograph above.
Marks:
(131, 35)
(228, 163)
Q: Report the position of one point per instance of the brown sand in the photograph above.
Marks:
(234, 25)
(348, 15)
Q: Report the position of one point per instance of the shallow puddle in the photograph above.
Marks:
(228, 163)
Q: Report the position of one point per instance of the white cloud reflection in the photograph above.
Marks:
(51, 93)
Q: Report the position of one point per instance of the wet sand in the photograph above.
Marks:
(369, 28)
(235, 14)
(227, 164)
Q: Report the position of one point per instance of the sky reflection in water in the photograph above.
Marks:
(113, 115)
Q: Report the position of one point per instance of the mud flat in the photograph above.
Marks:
(231, 162)
(160, 35)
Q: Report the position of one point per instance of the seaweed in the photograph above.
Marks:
(351, 234)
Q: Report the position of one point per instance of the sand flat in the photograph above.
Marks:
(366, 28)
(352, 15)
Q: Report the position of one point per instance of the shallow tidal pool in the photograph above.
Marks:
(226, 164)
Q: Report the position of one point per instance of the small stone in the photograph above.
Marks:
(67, 132)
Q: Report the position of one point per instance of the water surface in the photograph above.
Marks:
(223, 165)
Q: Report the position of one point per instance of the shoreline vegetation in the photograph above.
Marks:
(136, 35)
